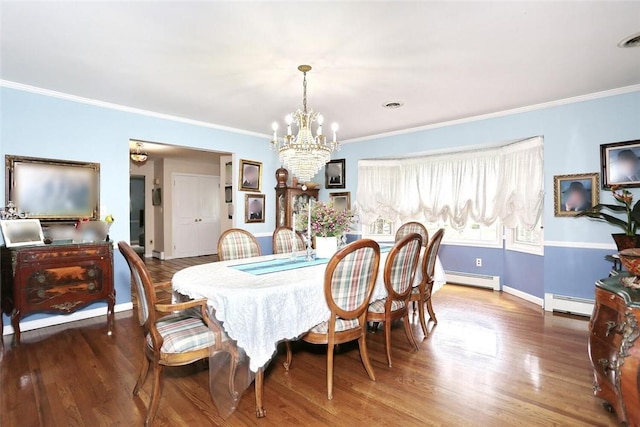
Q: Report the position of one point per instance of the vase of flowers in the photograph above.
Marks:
(327, 224)
(628, 222)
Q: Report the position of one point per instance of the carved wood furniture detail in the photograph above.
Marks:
(614, 349)
(56, 279)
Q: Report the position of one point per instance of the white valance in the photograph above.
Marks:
(502, 183)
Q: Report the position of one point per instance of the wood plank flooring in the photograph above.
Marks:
(493, 360)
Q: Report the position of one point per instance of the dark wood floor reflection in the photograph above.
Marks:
(494, 360)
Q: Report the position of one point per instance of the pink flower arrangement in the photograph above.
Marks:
(326, 221)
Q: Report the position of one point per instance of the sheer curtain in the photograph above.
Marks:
(503, 183)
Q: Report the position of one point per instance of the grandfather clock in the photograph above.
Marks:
(289, 200)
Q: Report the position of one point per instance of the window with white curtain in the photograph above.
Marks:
(472, 194)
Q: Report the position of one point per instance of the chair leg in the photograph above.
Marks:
(432, 314)
(409, 332)
(423, 323)
(330, 351)
(287, 363)
(142, 377)
(232, 374)
(155, 393)
(387, 340)
(364, 355)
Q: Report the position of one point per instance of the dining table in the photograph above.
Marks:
(261, 301)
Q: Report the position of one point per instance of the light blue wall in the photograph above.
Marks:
(41, 126)
(572, 136)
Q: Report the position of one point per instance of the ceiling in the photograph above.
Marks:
(234, 64)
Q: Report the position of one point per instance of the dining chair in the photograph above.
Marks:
(348, 284)
(422, 293)
(399, 271)
(284, 239)
(413, 227)
(236, 243)
(174, 334)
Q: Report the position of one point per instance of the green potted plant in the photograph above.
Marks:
(628, 223)
(327, 224)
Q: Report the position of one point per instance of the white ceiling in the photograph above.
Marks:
(234, 63)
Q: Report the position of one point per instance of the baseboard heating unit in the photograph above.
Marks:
(476, 280)
(564, 304)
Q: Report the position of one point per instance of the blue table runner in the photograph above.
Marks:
(284, 264)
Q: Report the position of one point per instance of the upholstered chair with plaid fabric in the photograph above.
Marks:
(413, 227)
(421, 294)
(399, 271)
(236, 243)
(348, 284)
(285, 239)
(174, 334)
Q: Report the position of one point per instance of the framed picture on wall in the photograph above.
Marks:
(334, 174)
(341, 201)
(620, 164)
(254, 208)
(250, 175)
(575, 193)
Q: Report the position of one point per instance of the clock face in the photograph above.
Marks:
(304, 187)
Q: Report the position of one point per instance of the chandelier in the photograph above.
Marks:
(304, 154)
(138, 155)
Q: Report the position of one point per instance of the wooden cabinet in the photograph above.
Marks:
(290, 200)
(56, 279)
(614, 348)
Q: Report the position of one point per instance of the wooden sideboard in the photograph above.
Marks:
(57, 278)
(614, 348)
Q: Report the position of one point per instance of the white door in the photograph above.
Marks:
(196, 215)
(209, 214)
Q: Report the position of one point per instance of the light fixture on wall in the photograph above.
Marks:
(138, 155)
(304, 154)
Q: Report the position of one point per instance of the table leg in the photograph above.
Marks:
(111, 302)
(259, 384)
(15, 322)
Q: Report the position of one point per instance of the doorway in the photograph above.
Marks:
(136, 212)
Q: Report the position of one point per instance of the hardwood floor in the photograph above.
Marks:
(493, 360)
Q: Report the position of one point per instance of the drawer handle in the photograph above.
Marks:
(611, 327)
(606, 365)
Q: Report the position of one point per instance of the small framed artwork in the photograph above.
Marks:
(334, 174)
(22, 232)
(620, 164)
(250, 175)
(341, 201)
(254, 208)
(156, 197)
(575, 193)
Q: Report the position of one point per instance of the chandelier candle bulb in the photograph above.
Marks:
(334, 128)
(274, 126)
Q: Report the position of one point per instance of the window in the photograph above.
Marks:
(381, 229)
(523, 240)
(473, 234)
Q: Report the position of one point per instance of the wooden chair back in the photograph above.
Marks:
(285, 240)
(413, 227)
(236, 243)
(400, 267)
(350, 277)
(431, 253)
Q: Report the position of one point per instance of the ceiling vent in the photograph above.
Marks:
(631, 41)
(392, 105)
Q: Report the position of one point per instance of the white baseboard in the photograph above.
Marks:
(29, 325)
(581, 306)
(476, 280)
(157, 254)
(525, 296)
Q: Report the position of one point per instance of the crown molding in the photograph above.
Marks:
(124, 108)
(47, 92)
(559, 102)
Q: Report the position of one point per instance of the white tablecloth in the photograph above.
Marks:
(260, 311)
